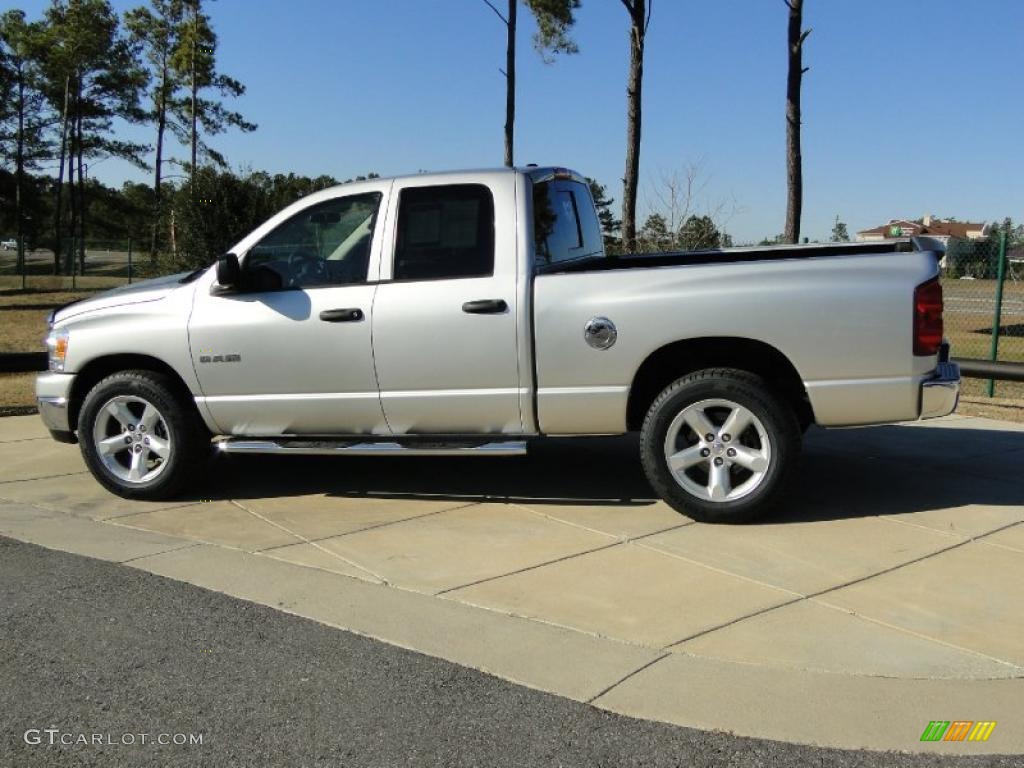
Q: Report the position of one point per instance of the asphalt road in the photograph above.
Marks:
(87, 648)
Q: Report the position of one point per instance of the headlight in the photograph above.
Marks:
(57, 348)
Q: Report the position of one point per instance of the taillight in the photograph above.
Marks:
(928, 317)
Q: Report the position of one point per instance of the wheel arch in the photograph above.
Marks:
(679, 358)
(99, 368)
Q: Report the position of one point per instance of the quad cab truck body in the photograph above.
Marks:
(465, 313)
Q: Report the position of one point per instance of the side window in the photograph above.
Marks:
(565, 225)
(324, 244)
(445, 232)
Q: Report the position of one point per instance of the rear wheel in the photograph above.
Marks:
(139, 437)
(719, 445)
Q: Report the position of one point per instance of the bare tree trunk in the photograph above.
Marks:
(195, 96)
(19, 170)
(69, 256)
(60, 181)
(510, 78)
(638, 31)
(794, 157)
(81, 196)
(161, 127)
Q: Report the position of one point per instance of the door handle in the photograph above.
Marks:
(485, 307)
(353, 315)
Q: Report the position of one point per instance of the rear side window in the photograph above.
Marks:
(445, 232)
(565, 225)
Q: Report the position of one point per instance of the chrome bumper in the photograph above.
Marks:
(940, 394)
(52, 392)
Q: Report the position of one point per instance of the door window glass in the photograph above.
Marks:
(445, 232)
(565, 225)
(324, 244)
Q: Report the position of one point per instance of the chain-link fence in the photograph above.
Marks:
(100, 264)
(983, 287)
(983, 284)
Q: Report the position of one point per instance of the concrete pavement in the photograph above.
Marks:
(885, 594)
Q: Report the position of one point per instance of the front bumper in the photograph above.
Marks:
(53, 391)
(940, 394)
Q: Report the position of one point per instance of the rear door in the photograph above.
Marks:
(444, 317)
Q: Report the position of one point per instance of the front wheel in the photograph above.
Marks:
(719, 445)
(140, 439)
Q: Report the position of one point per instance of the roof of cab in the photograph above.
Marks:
(535, 172)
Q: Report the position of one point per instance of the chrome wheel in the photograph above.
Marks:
(131, 439)
(718, 450)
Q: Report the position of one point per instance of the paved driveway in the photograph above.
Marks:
(886, 593)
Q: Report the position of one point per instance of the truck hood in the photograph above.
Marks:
(136, 293)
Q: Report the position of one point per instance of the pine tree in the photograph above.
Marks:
(194, 62)
(839, 233)
(794, 157)
(639, 22)
(93, 77)
(609, 224)
(554, 20)
(155, 31)
(23, 118)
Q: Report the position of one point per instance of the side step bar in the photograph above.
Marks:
(299, 447)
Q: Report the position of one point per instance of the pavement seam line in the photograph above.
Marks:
(373, 527)
(635, 672)
(144, 512)
(716, 569)
(997, 545)
(834, 588)
(307, 541)
(537, 620)
(624, 539)
(528, 568)
(44, 477)
(918, 526)
(189, 545)
(920, 636)
(981, 539)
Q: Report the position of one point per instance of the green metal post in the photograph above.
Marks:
(74, 271)
(21, 260)
(129, 261)
(997, 316)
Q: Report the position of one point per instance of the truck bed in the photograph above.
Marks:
(727, 255)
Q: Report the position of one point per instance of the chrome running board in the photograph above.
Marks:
(300, 447)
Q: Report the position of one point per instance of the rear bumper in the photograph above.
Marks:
(52, 395)
(940, 394)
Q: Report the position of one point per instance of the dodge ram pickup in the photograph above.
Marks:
(465, 313)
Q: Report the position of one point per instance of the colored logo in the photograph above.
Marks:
(958, 730)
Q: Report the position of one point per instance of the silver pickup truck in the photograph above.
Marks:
(464, 313)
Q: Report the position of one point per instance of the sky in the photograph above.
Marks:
(911, 107)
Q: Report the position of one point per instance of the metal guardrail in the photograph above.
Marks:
(22, 362)
(990, 369)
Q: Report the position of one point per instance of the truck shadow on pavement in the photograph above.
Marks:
(843, 474)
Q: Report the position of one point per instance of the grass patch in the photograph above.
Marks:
(23, 316)
(17, 393)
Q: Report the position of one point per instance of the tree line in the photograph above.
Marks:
(64, 80)
(555, 19)
(66, 77)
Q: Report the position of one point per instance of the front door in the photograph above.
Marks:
(296, 360)
(444, 324)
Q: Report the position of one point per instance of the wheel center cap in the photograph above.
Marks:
(718, 449)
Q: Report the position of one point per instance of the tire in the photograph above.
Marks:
(140, 414)
(731, 478)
